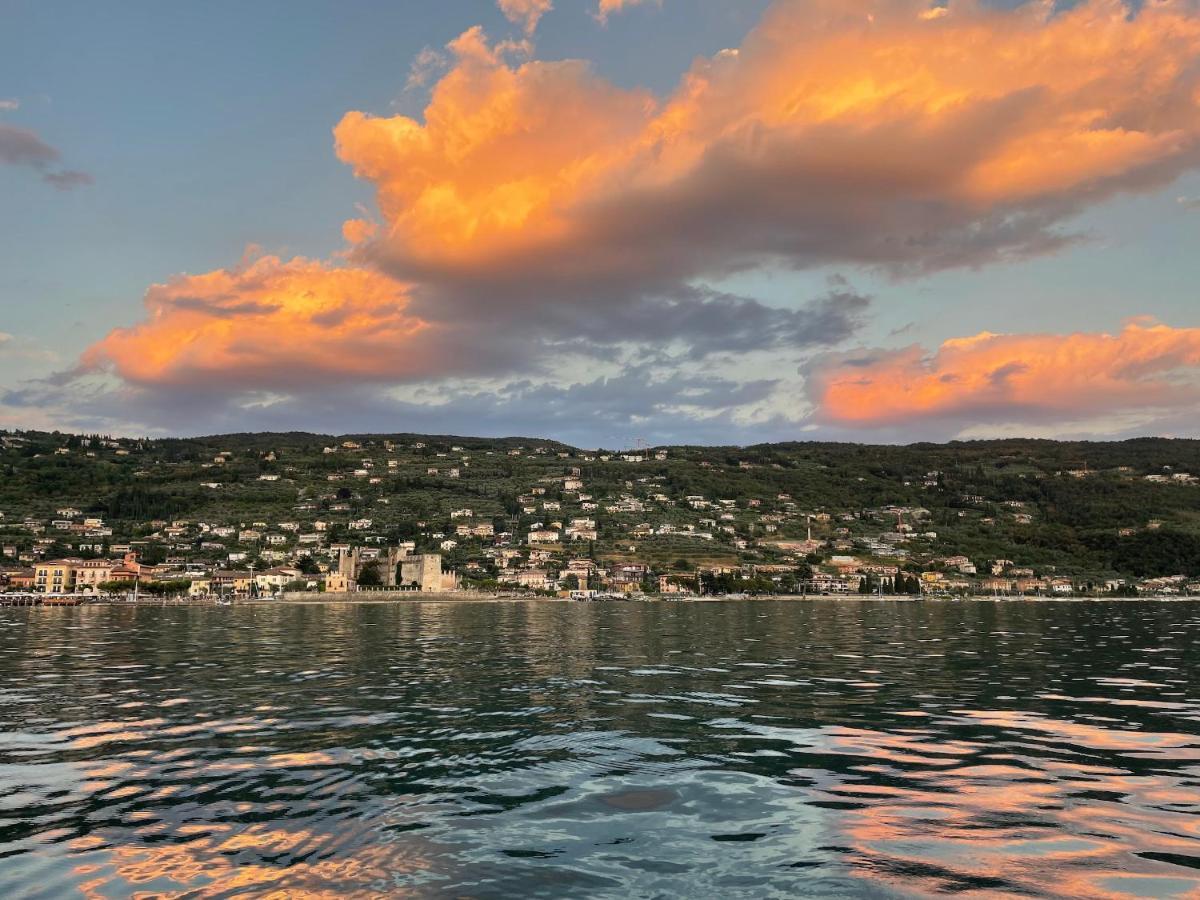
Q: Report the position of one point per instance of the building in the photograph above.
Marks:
(274, 580)
(56, 576)
(17, 578)
(232, 582)
(534, 579)
(627, 577)
(477, 529)
(581, 530)
(424, 570)
(91, 573)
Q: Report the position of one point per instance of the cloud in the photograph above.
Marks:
(538, 217)
(607, 8)
(427, 64)
(852, 132)
(303, 325)
(9, 105)
(22, 147)
(25, 350)
(68, 179)
(270, 324)
(1000, 379)
(1189, 203)
(657, 403)
(525, 13)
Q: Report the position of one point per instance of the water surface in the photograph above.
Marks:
(833, 749)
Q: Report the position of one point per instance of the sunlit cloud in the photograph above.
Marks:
(526, 13)
(426, 66)
(606, 8)
(1030, 379)
(537, 215)
(269, 323)
(861, 132)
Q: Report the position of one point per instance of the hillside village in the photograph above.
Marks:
(267, 515)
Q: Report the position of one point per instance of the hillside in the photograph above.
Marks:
(1084, 510)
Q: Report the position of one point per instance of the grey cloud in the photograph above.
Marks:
(22, 147)
(223, 307)
(68, 179)
(606, 411)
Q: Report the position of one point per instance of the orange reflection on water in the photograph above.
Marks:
(224, 859)
(1012, 823)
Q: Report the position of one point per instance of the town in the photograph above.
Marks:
(90, 518)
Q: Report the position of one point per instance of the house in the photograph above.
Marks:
(274, 580)
(581, 530)
(477, 529)
(628, 577)
(56, 576)
(676, 584)
(534, 579)
(91, 573)
(998, 585)
(18, 578)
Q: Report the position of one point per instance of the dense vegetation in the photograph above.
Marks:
(1079, 508)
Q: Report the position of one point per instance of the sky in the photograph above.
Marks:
(602, 221)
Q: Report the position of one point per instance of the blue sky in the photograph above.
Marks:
(208, 129)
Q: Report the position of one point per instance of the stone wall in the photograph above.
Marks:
(380, 596)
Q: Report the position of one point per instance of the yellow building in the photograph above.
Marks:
(56, 576)
(339, 583)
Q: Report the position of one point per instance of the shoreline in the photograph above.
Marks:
(444, 598)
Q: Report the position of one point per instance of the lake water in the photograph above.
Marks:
(748, 749)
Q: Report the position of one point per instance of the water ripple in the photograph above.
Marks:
(838, 749)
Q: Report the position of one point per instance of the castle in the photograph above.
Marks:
(399, 568)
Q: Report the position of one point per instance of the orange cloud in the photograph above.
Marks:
(537, 209)
(1014, 377)
(608, 7)
(861, 131)
(269, 323)
(525, 13)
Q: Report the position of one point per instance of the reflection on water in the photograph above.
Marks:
(629, 750)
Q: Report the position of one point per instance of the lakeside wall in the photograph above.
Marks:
(381, 596)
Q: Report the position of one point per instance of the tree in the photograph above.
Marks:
(368, 576)
(570, 582)
(162, 588)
